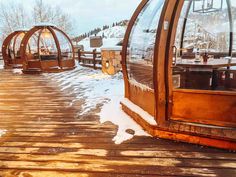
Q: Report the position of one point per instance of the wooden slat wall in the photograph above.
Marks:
(46, 137)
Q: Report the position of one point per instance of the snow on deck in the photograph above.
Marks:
(145, 115)
(1, 64)
(47, 136)
(2, 132)
(96, 88)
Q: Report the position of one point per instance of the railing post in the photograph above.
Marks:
(79, 55)
(94, 58)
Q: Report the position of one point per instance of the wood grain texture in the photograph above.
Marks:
(46, 137)
(191, 133)
(212, 109)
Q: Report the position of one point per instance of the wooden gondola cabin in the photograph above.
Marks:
(11, 49)
(46, 48)
(179, 70)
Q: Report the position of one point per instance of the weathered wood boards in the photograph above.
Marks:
(90, 59)
(45, 138)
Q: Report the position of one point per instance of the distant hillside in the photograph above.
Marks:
(113, 32)
(97, 31)
(112, 35)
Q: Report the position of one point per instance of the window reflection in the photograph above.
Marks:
(11, 48)
(65, 45)
(32, 52)
(204, 31)
(141, 44)
(47, 46)
(18, 40)
(202, 57)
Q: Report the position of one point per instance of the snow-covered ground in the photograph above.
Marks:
(1, 64)
(112, 36)
(113, 32)
(96, 88)
(17, 71)
(2, 132)
(109, 42)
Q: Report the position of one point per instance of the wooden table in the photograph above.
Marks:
(212, 64)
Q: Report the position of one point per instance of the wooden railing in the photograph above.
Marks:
(1, 56)
(90, 59)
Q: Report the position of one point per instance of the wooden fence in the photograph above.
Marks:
(1, 56)
(91, 59)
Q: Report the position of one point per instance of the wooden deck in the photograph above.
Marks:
(46, 138)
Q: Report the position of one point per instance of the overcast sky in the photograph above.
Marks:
(89, 14)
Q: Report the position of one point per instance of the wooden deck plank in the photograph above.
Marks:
(135, 170)
(46, 136)
(70, 162)
(30, 148)
(35, 173)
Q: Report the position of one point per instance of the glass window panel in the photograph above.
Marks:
(203, 62)
(65, 45)
(141, 44)
(11, 48)
(208, 31)
(233, 8)
(47, 46)
(233, 69)
(18, 40)
(32, 50)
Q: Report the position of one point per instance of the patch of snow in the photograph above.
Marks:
(91, 85)
(133, 82)
(42, 24)
(116, 48)
(1, 64)
(109, 42)
(113, 32)
(96, 88)
(145, 115)
(17, 71)
(2, 132)
(112, 36)
(112, 112)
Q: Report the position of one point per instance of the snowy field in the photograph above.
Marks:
(1, 64)
(112, 36)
